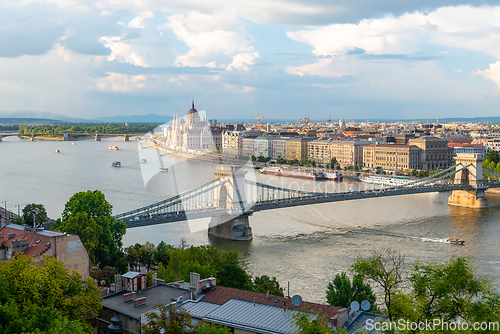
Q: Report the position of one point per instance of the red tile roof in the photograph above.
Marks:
(220, 295)
(32, 237)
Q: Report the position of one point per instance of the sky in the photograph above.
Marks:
(357, 59)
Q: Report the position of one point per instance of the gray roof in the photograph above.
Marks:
(358, 323)
(254, 317)
(131, 274)
(40, 231)
(154, 295)
(200, 309)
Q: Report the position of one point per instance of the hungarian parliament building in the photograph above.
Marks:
(190, 133)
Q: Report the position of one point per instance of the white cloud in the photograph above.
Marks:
(118, 82)
(474, 28)
(211, 38)
(492, 73)
(242, 60)
(322, 68)
(136, 23)
(459, 70)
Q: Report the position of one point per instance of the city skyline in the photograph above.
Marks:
(357, 60)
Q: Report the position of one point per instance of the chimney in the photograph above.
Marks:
(341, 317)
(139, 301)
(11, 235)
(128, 296)
(205, 284)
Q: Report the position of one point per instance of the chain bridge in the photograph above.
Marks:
(231, 197)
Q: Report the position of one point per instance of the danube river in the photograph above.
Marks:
(305, 246)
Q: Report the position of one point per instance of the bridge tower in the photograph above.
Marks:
(126, 138)
(473, 176)
(97, 137)
(1, 137)
(65, 136)
(234, 224)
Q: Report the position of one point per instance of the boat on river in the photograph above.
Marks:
(393, 181)
(163, 169)
(116, 164)
(57, 151)
(335, 176)
(144, 161)
(455, 241)
(113, 147)
(292, 172)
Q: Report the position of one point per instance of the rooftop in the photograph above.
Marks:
(156, 294)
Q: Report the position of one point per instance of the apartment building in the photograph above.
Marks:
(279, 147)
(296, 148)
(263, 146)
(40, 244)
(436, 154)
(392, 156)
(347, 152)
(248, 146)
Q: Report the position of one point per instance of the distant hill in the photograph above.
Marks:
(150, 118)
(41, 115)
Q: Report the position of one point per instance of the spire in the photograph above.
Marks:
(192, 105)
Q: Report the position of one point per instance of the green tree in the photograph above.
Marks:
(36, 295)
(231, 275)
(307, 324)
(18, 221)
(36, 211)
(264, 283)
(445, 290)
(386, 269)
(88, 231)
(111, 231)
(281, 161)
(341, 292)
(212, 329)
(168, 319)
(161, 254)
(493, 156)
(254, 158)
(333, 163)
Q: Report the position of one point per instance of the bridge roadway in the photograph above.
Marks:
(298, 201)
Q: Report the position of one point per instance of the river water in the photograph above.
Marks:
(305, 246)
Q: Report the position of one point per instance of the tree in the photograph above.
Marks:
(212, 329)
(36, 211)
(34, 296)
(231, 275)
(168, 319)
(264, 283)
(386, 269)
(161, 254)
(333, 163)
(97, 209)
(308, 325)
(253, 157)
(88, 231)
(18, 221)
(341, 292)
(493, 156)
(445, 290)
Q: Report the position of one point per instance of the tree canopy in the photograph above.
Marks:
(34, 298)
(36, 211)
(341, 292)
(89, 211)
(264, 284)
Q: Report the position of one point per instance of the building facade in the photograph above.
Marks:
(296, 148)
(347, 152)
(263, 146)
(435, 154)
(392, 156)
(189, 133)
(40, 244)
(279, 147)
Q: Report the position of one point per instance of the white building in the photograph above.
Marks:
(189, 133)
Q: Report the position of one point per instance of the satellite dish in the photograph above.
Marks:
(296, 300)
(179, 300)
(365, 305)
(355, 306)
(208, 285)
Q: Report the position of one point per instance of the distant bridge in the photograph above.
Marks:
(230, 198)
(67, 136)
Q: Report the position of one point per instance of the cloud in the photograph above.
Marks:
(492, 73)
(212, 39)
(322, 68)
(242, 60)
(118, 82)
(459, 70)
(136, 23)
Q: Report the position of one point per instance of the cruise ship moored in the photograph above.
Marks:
(289, 172)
